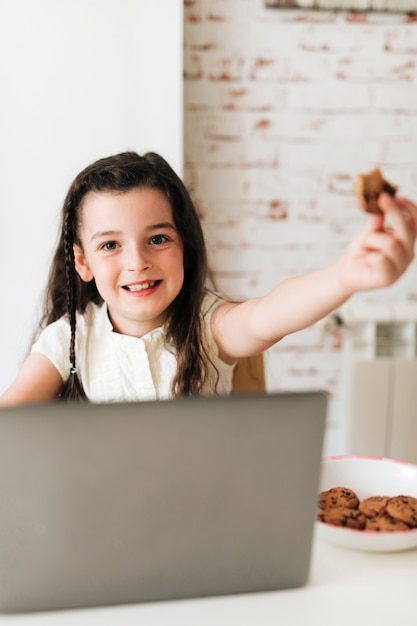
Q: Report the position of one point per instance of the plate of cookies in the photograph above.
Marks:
(368, 503)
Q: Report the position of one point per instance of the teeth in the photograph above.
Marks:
(140, 287)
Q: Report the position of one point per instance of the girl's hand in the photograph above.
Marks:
(382, 252)
(375, 259)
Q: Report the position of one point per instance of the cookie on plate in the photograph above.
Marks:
(384, 523)
(338, 497)
(373, 506)
(342, 516)
(368, 188)
(404, 509)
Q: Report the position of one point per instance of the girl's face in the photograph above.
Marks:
(131, 247)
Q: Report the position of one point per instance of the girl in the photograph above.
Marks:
(128, 315)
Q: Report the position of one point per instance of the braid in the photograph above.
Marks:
(73, 389)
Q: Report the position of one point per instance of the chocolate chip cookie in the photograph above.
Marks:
(404, 509)
(338, 497)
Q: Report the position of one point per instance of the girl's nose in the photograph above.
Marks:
(138, 259)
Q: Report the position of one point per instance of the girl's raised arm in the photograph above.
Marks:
(37, 381)
(375, 259)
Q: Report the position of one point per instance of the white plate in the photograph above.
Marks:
(369, 476)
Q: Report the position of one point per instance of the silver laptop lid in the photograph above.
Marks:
(110, 504)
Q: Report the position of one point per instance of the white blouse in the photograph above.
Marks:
(120, 368)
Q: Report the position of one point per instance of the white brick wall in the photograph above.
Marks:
(282, 109)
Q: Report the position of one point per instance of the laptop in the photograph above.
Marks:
(127, 503)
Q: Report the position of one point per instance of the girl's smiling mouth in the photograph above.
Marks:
(141, 286)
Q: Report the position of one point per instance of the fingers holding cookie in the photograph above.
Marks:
(368, 188)
(392, 228)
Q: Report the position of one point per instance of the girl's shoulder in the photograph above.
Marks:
(92, 315)
(54, 340)
(212, 299)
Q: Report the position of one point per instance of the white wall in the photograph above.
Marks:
(80, 79)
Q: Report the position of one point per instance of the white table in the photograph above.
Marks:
(345, 588)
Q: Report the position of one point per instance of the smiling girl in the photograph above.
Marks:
(128, 315)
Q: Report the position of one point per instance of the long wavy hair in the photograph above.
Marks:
(67, 294)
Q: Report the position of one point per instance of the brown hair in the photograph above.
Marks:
(67, 294)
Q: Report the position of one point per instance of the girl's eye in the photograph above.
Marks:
(156, 240)
(109, 245)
